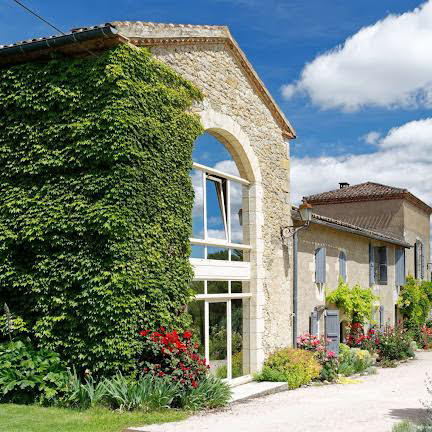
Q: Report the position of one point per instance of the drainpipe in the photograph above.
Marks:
(295, 287)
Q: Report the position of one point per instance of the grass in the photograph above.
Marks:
(33, 418)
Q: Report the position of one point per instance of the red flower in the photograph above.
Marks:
(144, 332)
(161, 373)
(194, 384)
(187, 334)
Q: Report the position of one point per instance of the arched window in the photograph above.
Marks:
(343, 266)
(220, 258)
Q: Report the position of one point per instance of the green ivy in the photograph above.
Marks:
(96, 201)
(356, 302)
(415, 302)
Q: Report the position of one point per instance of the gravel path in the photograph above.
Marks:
(374, 405)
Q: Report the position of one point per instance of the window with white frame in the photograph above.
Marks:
(220, 251)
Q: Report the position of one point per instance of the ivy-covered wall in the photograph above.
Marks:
(95, 201)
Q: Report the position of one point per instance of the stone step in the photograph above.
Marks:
(256, 389)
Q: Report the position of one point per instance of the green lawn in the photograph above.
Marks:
(33, 418)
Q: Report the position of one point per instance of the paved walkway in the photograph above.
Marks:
(373, 405)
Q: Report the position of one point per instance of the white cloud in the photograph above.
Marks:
(371, 137)
(388, 64)
(403, 158)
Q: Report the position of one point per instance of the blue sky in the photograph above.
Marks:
(280, 38)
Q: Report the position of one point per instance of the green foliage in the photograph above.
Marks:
(354, 360)
(356, 302)
(28, 375)
(395, 344)
(210, 393)
(295, 366)
(237, 367)
(415, 302)
(95, 215)
(12, 326)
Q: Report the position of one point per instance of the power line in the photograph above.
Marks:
(51, 25)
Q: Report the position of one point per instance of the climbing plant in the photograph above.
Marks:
(415, 302)
(356, 302)
(96, 200)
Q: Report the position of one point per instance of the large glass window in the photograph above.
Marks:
(220, 311)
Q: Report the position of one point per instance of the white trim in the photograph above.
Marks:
(215, 298)
(219, 243)
(229, 340)
(220, 270)
(206, 332)
(210, 170)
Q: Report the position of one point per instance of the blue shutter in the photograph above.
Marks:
(342, 266)
(381, 317)
(371, 265)
(422, 261)
(314, 323)
(400, 266)
(332, 330)
(320, 264)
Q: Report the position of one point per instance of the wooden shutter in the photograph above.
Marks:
(332, 330)
(416, 272)
(342, 266)
(381, 316)
(400, 266)
(320, 265)
(422, 261)
(314, 323)
(371, 265)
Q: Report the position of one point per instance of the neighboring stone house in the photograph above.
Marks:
(367, 234)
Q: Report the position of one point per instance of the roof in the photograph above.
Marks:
(78, 41)
(354, 229)
(368, 191)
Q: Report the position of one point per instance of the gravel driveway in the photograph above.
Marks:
(372, 405)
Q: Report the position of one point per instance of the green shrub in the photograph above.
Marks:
(295, 366)
(415, 302)
(29, 375)
(395, 344)
(354, 360)
(210, 393)
(237, 367)
(95, 214)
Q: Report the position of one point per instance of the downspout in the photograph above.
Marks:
(295, 287)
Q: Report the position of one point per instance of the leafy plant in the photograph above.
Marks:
(172, 355)
(210, 393)
(28, 374)
(356, 302)
(395, 344)
(354, 360)
(95, 215)
(295, 366)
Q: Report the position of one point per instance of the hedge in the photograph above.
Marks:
(96, 201)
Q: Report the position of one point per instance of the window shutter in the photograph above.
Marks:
(381, 316)
(371, 265)
(422, 261)
(342, 265)
(400, 266)
(314, 323)
(320, 264)
(332, 330)
(416, 260)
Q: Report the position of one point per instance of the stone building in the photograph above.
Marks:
(242, 279)
(367, 234)
(254, 292)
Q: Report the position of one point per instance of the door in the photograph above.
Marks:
(332, 330)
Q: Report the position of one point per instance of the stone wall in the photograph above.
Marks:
(229, 93)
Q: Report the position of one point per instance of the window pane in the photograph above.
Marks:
(236, 287)
(196, 310)
(237, 338)
(218, 339)
(217, 287)
(198, 287)
(197, 211)
(236, 198)
(215, 210)
(237, 255)
(216, 253)
(197, 251)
